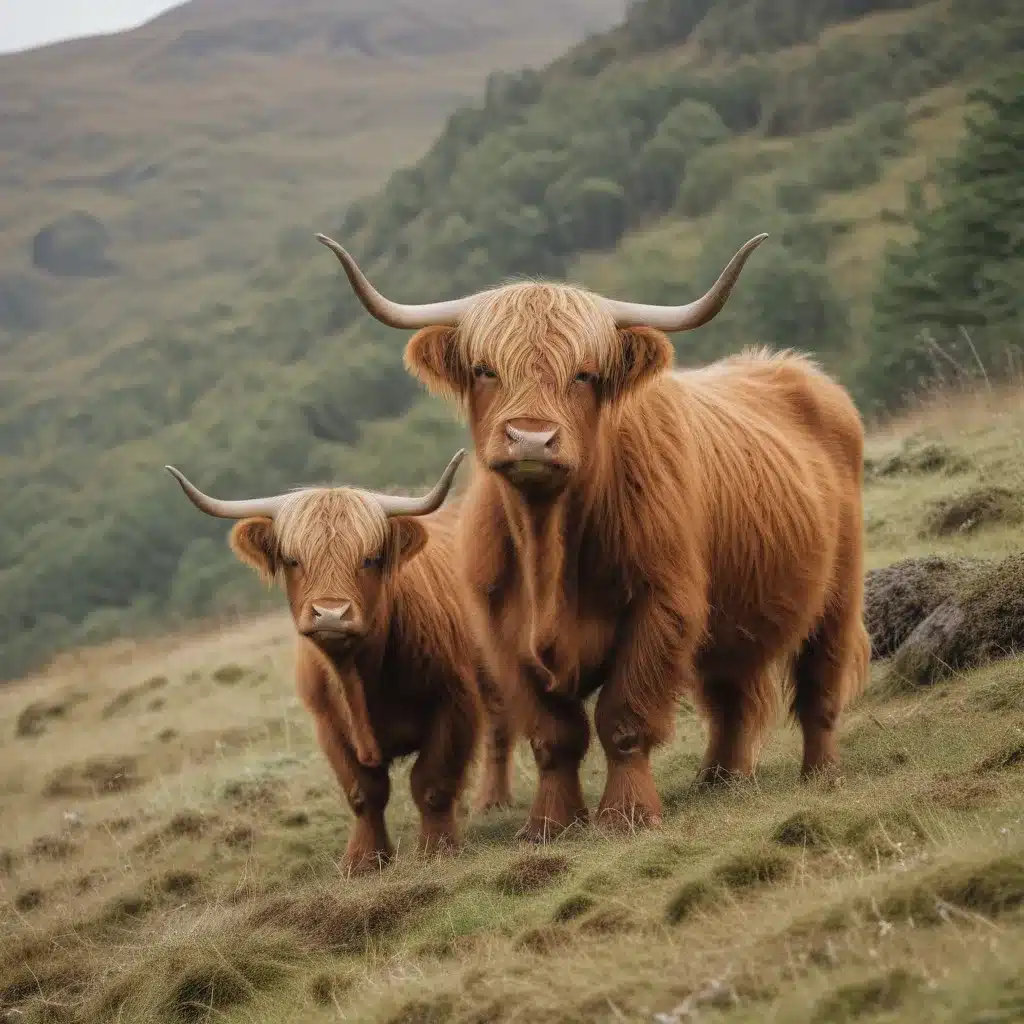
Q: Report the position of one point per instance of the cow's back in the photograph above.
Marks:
(779, 453)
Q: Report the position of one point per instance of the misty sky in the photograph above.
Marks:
(28, 23)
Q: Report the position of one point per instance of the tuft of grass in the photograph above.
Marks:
(808, 829)
(661, 861)
(438, 1010)
(531, 874)
(754, 868)
(544, 939)
(914, 456)
(891, 834)
(52, 848)
(198, 979)
(127, 698)
(1009, 754)
(851, 1002)
(599, 883)
(1005, 691)
(608, 921)
(334, 925)
(991, 888)
(574, 907)
(113, 774)
(180, 883)
(962, 794)
(33, 720)
(28, 900)
(228, 675)
(328, 987)
(239, 835)
(187, 824)
(124, 910)
(696, 896)
(978, 508)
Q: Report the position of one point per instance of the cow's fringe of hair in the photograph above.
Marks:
(508, 326)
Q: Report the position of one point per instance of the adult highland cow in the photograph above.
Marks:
(645, 532)
(385, 663)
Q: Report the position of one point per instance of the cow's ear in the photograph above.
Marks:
(645, 352)
(433, 356)
(407, 539)
(253, 541)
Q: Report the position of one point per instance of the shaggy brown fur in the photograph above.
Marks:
(406, 682)
(692, 531)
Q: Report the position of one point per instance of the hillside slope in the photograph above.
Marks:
(636, 163)
(152, 171)
(148, 178)
(171, 837)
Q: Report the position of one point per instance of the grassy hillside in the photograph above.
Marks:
(171, 837)
(636, 163)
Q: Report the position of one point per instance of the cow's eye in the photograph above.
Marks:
(482, 372)
(585, 377)
(289, 562)
(373, 561)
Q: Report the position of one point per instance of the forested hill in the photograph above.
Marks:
(636, 163)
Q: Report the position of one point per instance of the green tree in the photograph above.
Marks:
(589, 214)
(952, 295)
(658, 170)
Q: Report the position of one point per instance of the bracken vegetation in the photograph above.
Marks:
(178, 862)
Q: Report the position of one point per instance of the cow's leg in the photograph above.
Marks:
(495, 788)
(365, 788)
(738, 707)
(367, 791)
(439, 773)
(559, 735)
(628, 734)
(636, 710)
(832, 665)
(829, 669)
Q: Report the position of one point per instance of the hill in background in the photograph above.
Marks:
(148, 181)
(636, 163)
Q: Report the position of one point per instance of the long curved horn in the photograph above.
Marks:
(395, 314)
(694, 314)
(431, 502)
(268, 507)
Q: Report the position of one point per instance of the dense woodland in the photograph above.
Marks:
(877, 141)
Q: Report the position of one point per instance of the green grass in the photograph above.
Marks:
(196, 878)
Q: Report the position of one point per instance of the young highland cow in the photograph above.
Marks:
(385, 661)
(646, 533)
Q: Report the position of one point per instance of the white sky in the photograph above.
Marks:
(28, 23)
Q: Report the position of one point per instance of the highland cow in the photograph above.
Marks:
(644, 532)
(385, 661)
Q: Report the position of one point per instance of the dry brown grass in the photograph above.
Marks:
(179, 862)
